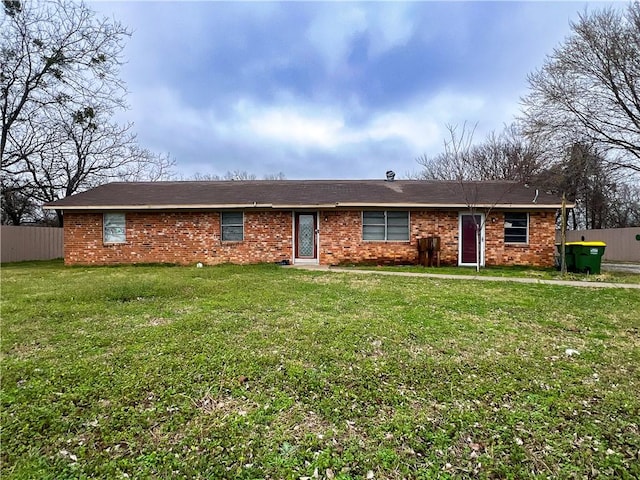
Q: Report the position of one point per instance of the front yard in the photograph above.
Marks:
(266, 372)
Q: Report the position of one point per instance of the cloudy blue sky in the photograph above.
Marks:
(326, 90)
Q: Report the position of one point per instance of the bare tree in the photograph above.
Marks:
(53, 53)
(463, 163)
(59, 91)
(236, 175)
(203, 177)
(602, 194)
(588, 90)
(588, 182)
(624, 211)
(507, 155)
(454, 162)
(275, 176)
(148, 166)
(18, 203)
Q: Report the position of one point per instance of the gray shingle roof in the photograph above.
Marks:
(306, 193)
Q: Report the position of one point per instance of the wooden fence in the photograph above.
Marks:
(623, 244)
(30, 243)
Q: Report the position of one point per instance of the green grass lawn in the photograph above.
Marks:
(268, 372)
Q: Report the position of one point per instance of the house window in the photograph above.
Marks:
(232, 226)
(383, 225)
(113, 228)
(516, 227)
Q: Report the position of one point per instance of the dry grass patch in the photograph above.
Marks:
(157, 322)
(27, 350)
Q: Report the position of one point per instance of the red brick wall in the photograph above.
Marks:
(341, 239)
(178, 237)
(191, 237)
(539, 251)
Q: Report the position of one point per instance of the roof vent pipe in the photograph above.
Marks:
(391, 175)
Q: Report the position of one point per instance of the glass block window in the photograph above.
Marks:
(113, 228)
(232, 226)
(306, 236)
(385, 226)
(516, 227)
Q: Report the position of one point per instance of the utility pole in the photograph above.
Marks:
(563, 235)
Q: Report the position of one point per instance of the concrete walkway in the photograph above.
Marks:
(569, 283)
(621, 267)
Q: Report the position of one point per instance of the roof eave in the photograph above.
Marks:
(159, 207)
(255, 205)
(467, 206)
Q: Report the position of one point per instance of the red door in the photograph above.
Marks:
(306, 226)
(469, 252)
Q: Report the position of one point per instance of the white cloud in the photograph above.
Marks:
(307, 126)
(289, 126)
(392, 26)
(293, 117)
(290, 136)
(303, 126)
(332, 30)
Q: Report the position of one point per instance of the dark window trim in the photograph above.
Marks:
(222, 225)
(386, 226)
(526, 228)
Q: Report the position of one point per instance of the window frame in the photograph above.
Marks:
(233, 225)
(120, 239)
(385, 225)
(526, 230)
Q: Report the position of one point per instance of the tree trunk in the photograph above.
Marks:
(563, 236)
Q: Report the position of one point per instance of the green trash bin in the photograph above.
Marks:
(584, 257)
(569, 258)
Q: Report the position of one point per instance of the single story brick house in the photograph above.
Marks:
(326, 222)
